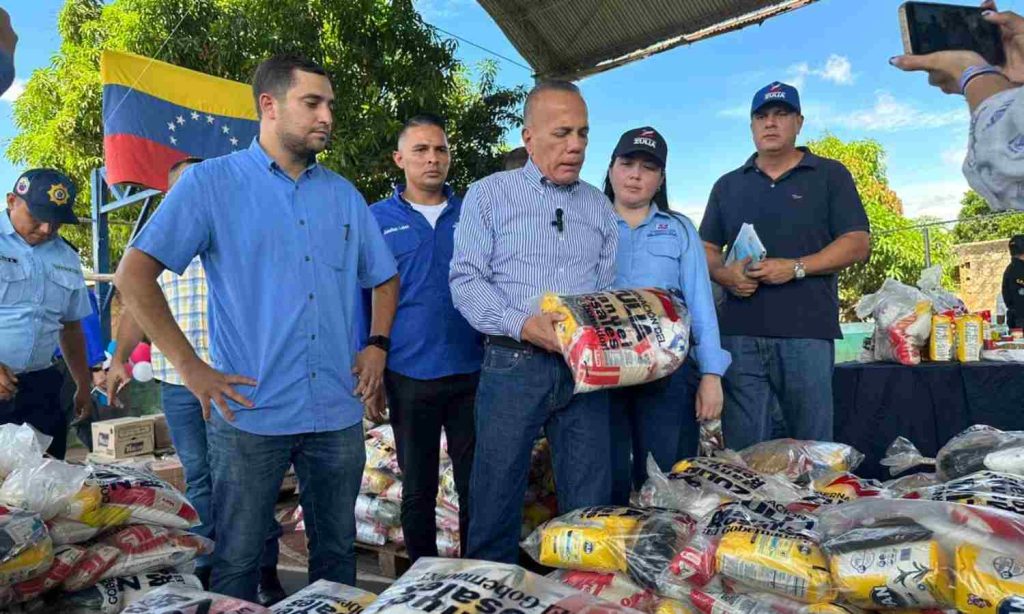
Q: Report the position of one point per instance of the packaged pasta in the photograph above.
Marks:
(894, 575)
(325, 597)
(620, 337)
(775, 560)
(988, 582)
(969, 340)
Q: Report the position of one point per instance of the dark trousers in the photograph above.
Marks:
(37, 402)
(419, 410)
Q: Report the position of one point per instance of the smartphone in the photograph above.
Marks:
(928, 27)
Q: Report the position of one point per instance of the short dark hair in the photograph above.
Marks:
(276, 74)
(515, 159)
(553, 85)
(421, 119)
(1017, 245)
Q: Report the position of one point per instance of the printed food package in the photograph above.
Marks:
(988, 582)
(185, 600)
(113, 595)
(146, 498)
(613, 587)
(975, 449)
(26, 549)
(843, 487)
(1003, 491)
(639, 542)
(45, 486)
(969, 340)
(324, 597)
(699, 485)
(799, 460)
(620, 337)
(477, 586)
(64, 560)
(381, 511)
(942, 342)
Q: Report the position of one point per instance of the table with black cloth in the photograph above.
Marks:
(928, 404)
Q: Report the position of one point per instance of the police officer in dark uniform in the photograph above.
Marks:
(42, 302)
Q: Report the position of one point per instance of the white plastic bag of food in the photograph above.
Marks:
(184, 600)
(460, 585)
(20, 446)
(1003, 491)
(113, 595)
(64, 560)
(613, 587)
(372, 509)
(902, 317)
(801, 460)
(26, 550)
(974, 449)
(620, 337)
(45, 486)
(324, 597)
(146, 498)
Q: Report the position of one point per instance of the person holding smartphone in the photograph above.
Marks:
(993, 167)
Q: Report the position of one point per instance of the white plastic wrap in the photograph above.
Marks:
(20, 446)
(45, 487)
(113, 595)
(902, 317)
(185, 600)
(324, 597)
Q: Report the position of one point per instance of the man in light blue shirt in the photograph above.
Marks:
(522, 233)
(286, 245)
(42, 302)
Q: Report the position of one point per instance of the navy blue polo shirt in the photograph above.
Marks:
(796, 216)
(430, 338)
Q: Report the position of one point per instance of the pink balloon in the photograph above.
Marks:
(141, 353)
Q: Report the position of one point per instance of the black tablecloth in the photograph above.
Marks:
(928, 404)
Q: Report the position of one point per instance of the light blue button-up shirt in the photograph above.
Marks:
(41, 287)
(509, 250)
(666, 252)
(284, 263)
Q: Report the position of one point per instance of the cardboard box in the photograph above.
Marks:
(161, 432)
(169, 470)
(122, 437)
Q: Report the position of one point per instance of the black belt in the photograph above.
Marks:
(509, 342)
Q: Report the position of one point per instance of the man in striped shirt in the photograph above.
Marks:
(522, 233)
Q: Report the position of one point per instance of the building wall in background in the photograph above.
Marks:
(981, 272)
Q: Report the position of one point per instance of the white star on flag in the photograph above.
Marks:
(225, 129)
(174, 141)
(195, 116)
(234, 141)
(170, 126)
(181, 120)
(209, 119)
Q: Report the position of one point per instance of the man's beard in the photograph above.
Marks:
(300, 147)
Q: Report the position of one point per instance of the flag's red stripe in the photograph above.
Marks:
(133, 159)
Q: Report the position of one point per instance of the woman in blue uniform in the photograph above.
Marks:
(660, 248)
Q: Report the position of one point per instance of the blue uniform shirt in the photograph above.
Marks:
(284, 262)
(93, 334)
(665, 252)
(429, 339)
(41, 287)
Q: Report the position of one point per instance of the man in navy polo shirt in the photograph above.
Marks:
(434, 362)
(781, 316)
(286, 245)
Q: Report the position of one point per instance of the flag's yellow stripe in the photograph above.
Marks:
(177, 85)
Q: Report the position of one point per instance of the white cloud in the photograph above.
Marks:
(836, 69)
(890, 115)
(940, 199)
(954, 156)
(17, 89)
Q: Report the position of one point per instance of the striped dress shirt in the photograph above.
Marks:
(509, 251)
(186, 296)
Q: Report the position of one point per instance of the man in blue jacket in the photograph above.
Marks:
(434, 361)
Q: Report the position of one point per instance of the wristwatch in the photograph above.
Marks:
(380, 341)
(798, 270)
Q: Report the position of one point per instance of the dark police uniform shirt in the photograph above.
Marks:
(795, 216)
(1013, 291)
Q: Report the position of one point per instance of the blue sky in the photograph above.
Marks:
(835, 51)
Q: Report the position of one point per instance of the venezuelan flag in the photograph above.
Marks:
(155, 114)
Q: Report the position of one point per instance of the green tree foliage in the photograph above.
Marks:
(897, 249)
(385, 65)
(977, 222)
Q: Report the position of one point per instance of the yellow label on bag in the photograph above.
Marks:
(593, 548)
(550, 303)
(671, 606)
(988, 582)
(910, 575)
(29, 563)
(776, 561)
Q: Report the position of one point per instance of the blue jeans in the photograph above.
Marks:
(521, 392)
(659, 418)
(188, 434)
(797, 371)
(247, 474)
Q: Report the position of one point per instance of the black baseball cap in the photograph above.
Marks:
(642, 140)
(1017, 245)
(50, 195)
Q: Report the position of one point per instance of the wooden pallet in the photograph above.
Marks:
(393, 561)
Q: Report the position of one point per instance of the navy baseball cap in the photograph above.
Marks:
(50, 195)
(642, 140)
(777, 92)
